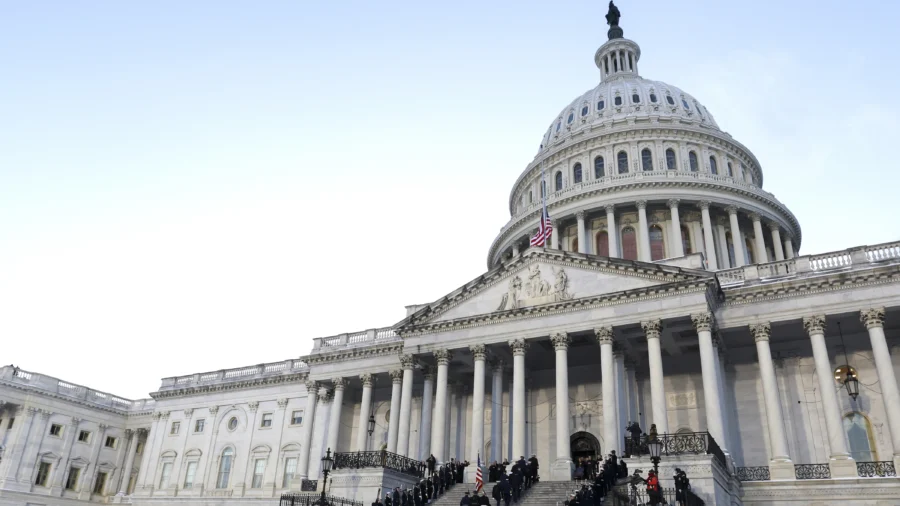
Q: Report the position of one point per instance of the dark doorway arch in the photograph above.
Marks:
(584, 444)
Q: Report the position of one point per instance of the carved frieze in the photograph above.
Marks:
(535, 290)
(682, 400)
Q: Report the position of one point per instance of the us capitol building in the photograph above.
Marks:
(671, 293)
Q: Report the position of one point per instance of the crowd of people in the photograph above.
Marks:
(511, 486)
(436, 481)
(650, 493)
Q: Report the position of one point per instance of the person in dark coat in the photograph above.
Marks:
(492, 472)
(417, 497)
(387, 500)
(465, 501)
(396, 497)
(497, 493)
(515, 484)
(534, 467)
(431, 461)
(429, 487)
(377, 502)
(506, 489)
(483, 499)
(635, 430)
(460, 469)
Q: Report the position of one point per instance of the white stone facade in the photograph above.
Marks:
(550, 352)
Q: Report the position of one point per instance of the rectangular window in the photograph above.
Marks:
(164, 476)
(290, 467)
(72, 479)
(296, 417)
(199, 425)
(43, 473)
(176, 426)
(266, 420)
(140, 448)
(259, 468)
(131, 484)
(110, 442)
(84, 436)
(189, 475)
(55, 429)
(100, 484)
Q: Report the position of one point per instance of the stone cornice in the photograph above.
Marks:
(231, 385)
(355, 352)
(79, 402)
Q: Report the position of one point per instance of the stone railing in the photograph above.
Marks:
(812, 471)
(383, 459)
(875, 469)
(811, 264)
(315, 500)
(56, 386)
(694, 443)
(365, 337)
(289, 366)
(757, 473)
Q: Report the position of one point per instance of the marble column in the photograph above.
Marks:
(403, 425)
(133, 437)
(759, 240)
(621, 399)
(582, 237)
(562, 467)
(780, 465)
(737, 239)
(32, 444)
(776, 241)
(439, 428)
(365, 410)
(519, 347)
(873, 319)
(394, 416)
(652, 330)
(479, 355)
(427, 408)
(842, 465)
(612, 231)
(720, 358)
(644, 242)
(67, 451)
(708, 244)
(608, 386)
(788, 248)
(703, 323)
(496, 410)
(334, 425)
(676, 241)
(554, 235)
(515, 249)
(724, 257)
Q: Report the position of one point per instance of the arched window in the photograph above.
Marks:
(670, 159)
(629, 244)
(692, 157)
(646, 159)
(618, 101)
(699, 111)
(653, 97)
(685, 104)
(576, 173)
(558, 181)
(623, 162)
(860, 437)
(730, 170)
(600, 105)
(599, 169)
(686, 240)
(713, 166)
(602, 243)
(635, 98)
(584, 111)
(574, 244)
(657, 246)
(225, 468)
(670, 100)
(571, 117)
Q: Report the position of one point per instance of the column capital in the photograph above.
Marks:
(519, 346)
(721, 220)
(479, 351)
(396, 376)
(704, 205)
(716, 339)
(703, 321)
(814, 324)
(142, 431)
(368, 379)
(311, 386)
(430, 373)
(560, 340)
(610, 208)
(773, 226)
(761, 331)
(641, 204)
(579, 214)
(604, 335)
(339, 383)
(618, 350)
(873, 317)
(731, 210)
(128, 433)
(497, 364)
(554, 222)
(755, 217)
(673, 203)
(443, 356)
(75, 421)
(324, 393)
(188, 412)
(282, 403)
(215, 409)
(652, 328)
(407, 361)
(45, 414)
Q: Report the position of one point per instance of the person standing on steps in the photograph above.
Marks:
(465, 501)
(496, 493)
(431, 461)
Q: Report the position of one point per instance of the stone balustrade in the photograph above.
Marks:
(365, 337)
(57, 386)
(810, 264)
(289, 366)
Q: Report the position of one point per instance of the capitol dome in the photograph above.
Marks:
(639, 169)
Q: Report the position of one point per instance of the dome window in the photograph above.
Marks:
(657, 244)
(599, 169)
(558, 125)
(635, 98)
(584, 111)
(623, 162)
(600, 105)
(713, 166)
(670, 100)
(618, 101)
(576, 173)
(685, 104)
(653, 97)
(629, 244)
(692, 158)
(730, 170)
(646, 159)
(670, 159)
(530, 196)
(699, 111)
(571, 117)
(558, 181)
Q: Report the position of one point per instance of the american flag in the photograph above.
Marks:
(545, 227)
(479, 480)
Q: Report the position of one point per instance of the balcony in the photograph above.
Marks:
(56, 386)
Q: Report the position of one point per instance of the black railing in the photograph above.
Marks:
(812, 471)
(697, 443)
(758, 473)
(875, 469)
(309, 485)
(626, 495)
(384, 459)
(315, 499)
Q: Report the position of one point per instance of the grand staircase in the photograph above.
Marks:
(544, 493)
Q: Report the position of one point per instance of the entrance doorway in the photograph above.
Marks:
(583, 445)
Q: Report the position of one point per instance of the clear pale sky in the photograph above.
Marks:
(191, 186)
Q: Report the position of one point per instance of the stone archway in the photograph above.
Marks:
(584, 444)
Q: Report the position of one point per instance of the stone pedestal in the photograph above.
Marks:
(781, 470)
(365, 484)
(709, 478)
(561, 470)
(843, 468)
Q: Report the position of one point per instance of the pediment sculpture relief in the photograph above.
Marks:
(535, 290)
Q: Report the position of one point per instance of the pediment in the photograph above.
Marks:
(541, 277)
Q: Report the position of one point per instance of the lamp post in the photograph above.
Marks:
(327, 462)
(654, 446)
(850, 381)
(371, 424)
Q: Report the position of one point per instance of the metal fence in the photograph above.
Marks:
(309, 485)
(626, 495)
(315, 499)
(384, 459)
(812, 471)
(697, 443)
(875, 469)
(758, 473)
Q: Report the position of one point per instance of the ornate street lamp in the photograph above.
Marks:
(851, 383)
(371, 424)
(327, 462)
(655, 447)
